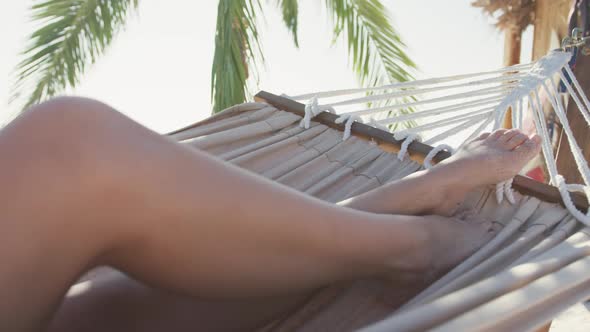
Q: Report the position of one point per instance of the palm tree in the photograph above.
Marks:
(72, 34)
(513, 17)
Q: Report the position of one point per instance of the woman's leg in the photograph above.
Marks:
(83, 185)
(111, 301)
(115, 302)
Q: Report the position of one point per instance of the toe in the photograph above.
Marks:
(531, 146)
(508, 135)
(516, 140)
(483, 136)
(497, 134)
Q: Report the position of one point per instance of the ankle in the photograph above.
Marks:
(416, 237)
(449, 189)
(443, 183)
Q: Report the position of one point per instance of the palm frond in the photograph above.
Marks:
(237, 47)
(290, 10)
(375, 47)
(71, 35)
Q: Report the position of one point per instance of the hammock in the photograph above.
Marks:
(537, 265)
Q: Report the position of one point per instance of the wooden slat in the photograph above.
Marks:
(416, 150)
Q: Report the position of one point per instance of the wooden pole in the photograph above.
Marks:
(512, 47)
(565, 161)
(551, 25)
(566, 164)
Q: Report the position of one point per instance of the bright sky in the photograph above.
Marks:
(158, 70)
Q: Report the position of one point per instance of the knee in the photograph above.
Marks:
(69, 123)
(69, 116)
(65, 134)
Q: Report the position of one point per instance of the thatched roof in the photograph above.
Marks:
(510, 14)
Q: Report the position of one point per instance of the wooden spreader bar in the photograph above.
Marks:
(416, 150)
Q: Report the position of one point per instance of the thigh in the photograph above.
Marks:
(110, 301)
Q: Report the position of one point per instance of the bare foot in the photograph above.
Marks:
(495, 157)
(491, 158)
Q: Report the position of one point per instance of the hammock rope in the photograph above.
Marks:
(430, 156)
(430, 81)
(469, 104)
